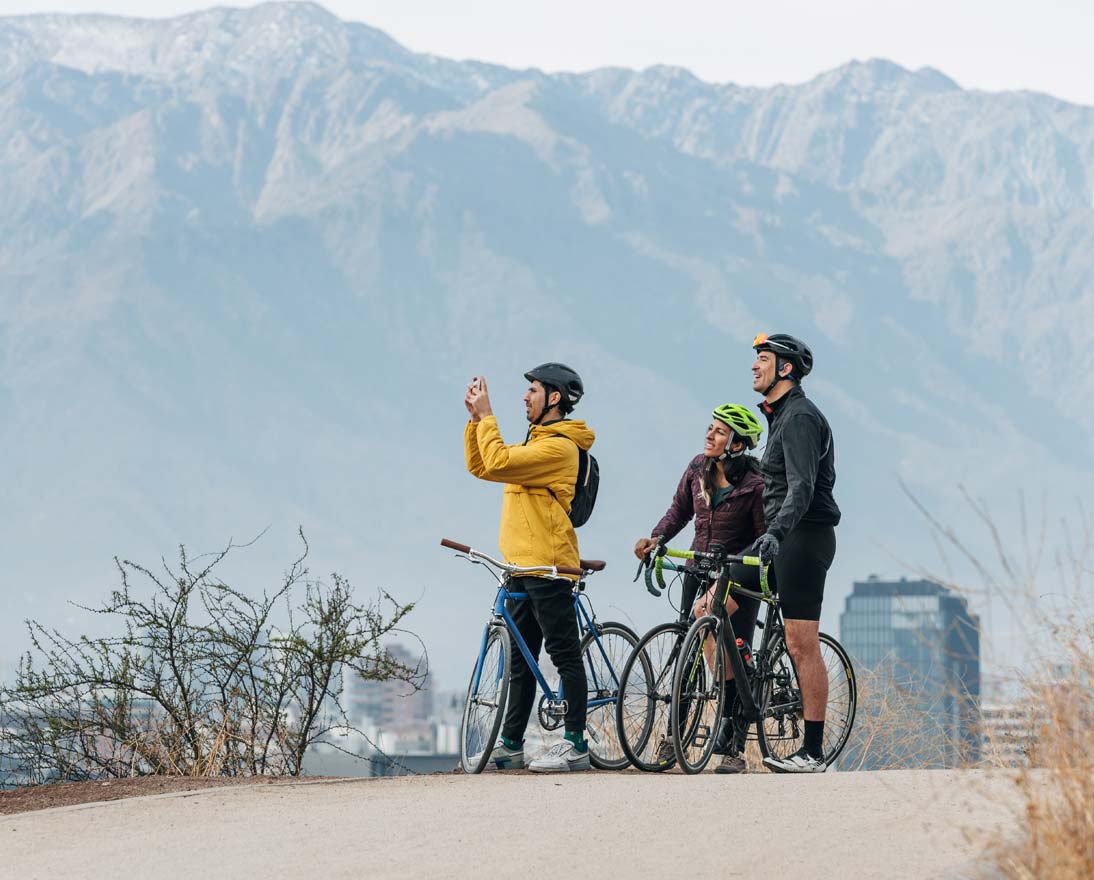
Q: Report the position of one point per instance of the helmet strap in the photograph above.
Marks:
(726, 454)
(778, 366)
(547, 389)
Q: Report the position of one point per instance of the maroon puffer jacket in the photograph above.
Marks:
(735, 523)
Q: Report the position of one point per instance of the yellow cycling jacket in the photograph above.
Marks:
(535, 524)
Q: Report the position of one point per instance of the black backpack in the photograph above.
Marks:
(588, 481)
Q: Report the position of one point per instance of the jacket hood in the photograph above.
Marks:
(575, 429)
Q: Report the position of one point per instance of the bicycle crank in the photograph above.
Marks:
(552, 713)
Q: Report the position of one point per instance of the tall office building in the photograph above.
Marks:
(388, 705)
(916, 647)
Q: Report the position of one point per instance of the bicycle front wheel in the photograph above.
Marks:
(782, 730)
(604, 651)
(645, 692)
(698, 691)
(486, 697)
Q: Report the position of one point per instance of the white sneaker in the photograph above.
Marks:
(503, 758)
(562, 758)
(799, 762)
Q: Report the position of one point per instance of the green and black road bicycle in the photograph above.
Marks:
(695, 661)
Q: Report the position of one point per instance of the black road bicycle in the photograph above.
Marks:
(676, 692)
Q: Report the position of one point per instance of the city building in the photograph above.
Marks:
(916, 649)
(1008, 734)
(389, 706)
(395, 727)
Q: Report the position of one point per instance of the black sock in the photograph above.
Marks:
(814, 739)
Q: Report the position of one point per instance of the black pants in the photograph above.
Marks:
(547, 615)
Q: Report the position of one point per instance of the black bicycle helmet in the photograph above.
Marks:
(786, 348)
(560, 378)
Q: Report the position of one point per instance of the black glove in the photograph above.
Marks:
(767, 548)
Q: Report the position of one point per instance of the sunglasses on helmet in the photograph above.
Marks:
(763, 339)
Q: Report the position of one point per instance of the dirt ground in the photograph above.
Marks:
(913, 824)
(66, 794)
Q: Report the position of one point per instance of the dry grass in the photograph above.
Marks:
(1048, 589)
(1057, 788)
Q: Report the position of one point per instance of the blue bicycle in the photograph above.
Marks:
(605, 647)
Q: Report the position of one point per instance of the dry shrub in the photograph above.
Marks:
(1057, 788)
(898, 726)
(1047, 589)
(198, 678)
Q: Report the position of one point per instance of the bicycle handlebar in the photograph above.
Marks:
(720, 561)
(591, 565)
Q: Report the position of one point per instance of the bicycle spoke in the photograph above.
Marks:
(643, 712)
(485, 704)
(604, 656)
(697, 695)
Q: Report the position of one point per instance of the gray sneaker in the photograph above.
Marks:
(562, 758)
(504, 758)
(732, 764)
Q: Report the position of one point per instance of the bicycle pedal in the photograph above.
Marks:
(702, 734)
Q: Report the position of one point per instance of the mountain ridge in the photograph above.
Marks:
(248, 291)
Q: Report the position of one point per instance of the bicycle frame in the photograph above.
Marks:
(586, 622)
(727, 638)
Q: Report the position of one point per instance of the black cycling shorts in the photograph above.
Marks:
(799, 572)
(801, 569)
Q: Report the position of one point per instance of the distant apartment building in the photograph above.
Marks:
(389, 706)
(394, 728)
(1007, 734)
(916, 647)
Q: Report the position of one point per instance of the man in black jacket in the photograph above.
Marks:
(801, 514)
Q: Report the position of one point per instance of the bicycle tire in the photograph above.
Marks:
(781, 731)
(603, 670)
(645, 694)
(479, 730)
(698, 691)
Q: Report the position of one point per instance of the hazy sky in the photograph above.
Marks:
(986, 44)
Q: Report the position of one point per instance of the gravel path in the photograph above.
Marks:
(915, 824)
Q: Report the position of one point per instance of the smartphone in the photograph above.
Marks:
(476, 383)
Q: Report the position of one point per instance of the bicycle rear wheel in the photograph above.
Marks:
(605, 654)
(485, 706)
(645, 694)
(698, 691)
(782, 731)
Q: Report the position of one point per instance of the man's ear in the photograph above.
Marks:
(554, 399)
(786, 375)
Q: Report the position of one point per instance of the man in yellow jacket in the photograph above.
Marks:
(540, 476)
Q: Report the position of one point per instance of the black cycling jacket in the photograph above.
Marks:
(798, 465)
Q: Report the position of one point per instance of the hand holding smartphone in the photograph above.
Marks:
(475, 400)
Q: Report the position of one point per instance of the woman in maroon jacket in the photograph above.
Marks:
(723, 491)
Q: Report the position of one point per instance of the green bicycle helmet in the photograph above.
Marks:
(741, 421)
